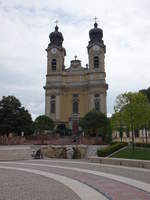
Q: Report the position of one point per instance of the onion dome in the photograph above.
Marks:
(56, 37)
(96, 34)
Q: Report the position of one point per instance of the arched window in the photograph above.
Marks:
(53, 104)
(75, 107)
(97, 102)
(97, 105)
(53, 64)
(96, 62)
(75, 96)
(96, 95)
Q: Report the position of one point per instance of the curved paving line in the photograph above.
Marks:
(95, 164)
(134, 183)
(82, 190)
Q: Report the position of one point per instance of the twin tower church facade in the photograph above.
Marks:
(72, 92)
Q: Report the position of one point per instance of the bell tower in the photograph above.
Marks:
(55, 67)
(96, 49)
(96, 54)
(55, 52)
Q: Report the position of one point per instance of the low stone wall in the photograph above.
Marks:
(10, 153)
(118, 161)
(12, 140)
(23, 152)
(49, 140)
(70, 151)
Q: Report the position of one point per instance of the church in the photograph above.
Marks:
(71, 92)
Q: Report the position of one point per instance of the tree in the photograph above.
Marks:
(14, 117)
(146, 92)
(95, 123)
(147, 124)
(24, 122)
(106, 131)
(43, 123)
(117, 123)
(133, 108)
(63, 130)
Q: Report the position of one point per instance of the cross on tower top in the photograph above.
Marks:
(95, 18)
(75, 57)
(56, 22)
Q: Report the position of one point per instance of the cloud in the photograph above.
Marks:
(25, 27)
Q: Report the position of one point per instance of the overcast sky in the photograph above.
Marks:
(24, 35)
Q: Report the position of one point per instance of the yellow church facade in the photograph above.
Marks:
(72, 92)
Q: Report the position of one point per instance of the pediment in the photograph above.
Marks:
(75, 66)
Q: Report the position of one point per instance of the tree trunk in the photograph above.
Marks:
(121, 136)
(142, 135)
(132, 130)
(96, 131)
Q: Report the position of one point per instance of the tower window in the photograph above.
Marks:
(97, 105)
(53, 97)
(75, 107)
(75, 95)
(96, 62)
(53, 104)
(53, 64)
(96, 95)
(97, 102)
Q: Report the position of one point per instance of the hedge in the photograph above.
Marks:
(112, 148)
(145, 145)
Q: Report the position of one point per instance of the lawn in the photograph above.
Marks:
(138, 153)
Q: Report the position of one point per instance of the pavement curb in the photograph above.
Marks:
(122, 162)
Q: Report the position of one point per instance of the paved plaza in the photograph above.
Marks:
(71, 180)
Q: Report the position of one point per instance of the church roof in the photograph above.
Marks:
(56, 37)
(96, 34)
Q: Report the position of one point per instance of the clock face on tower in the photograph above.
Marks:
(53, 50)
(96, 47)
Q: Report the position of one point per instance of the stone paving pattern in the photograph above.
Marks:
(112, 189)
(139, 174)
(17, 185)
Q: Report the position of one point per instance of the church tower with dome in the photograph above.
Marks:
(72, 92)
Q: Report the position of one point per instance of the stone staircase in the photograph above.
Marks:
(10, 153)
(92, 149)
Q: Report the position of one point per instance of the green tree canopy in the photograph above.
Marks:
(42, 123)
(14, 117)
(134, 110)
(146, 92)
(117, 123)
(95, 123)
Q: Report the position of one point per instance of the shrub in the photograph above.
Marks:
(145, 145)
(43, 123)
(63, 130)
(112, 148)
